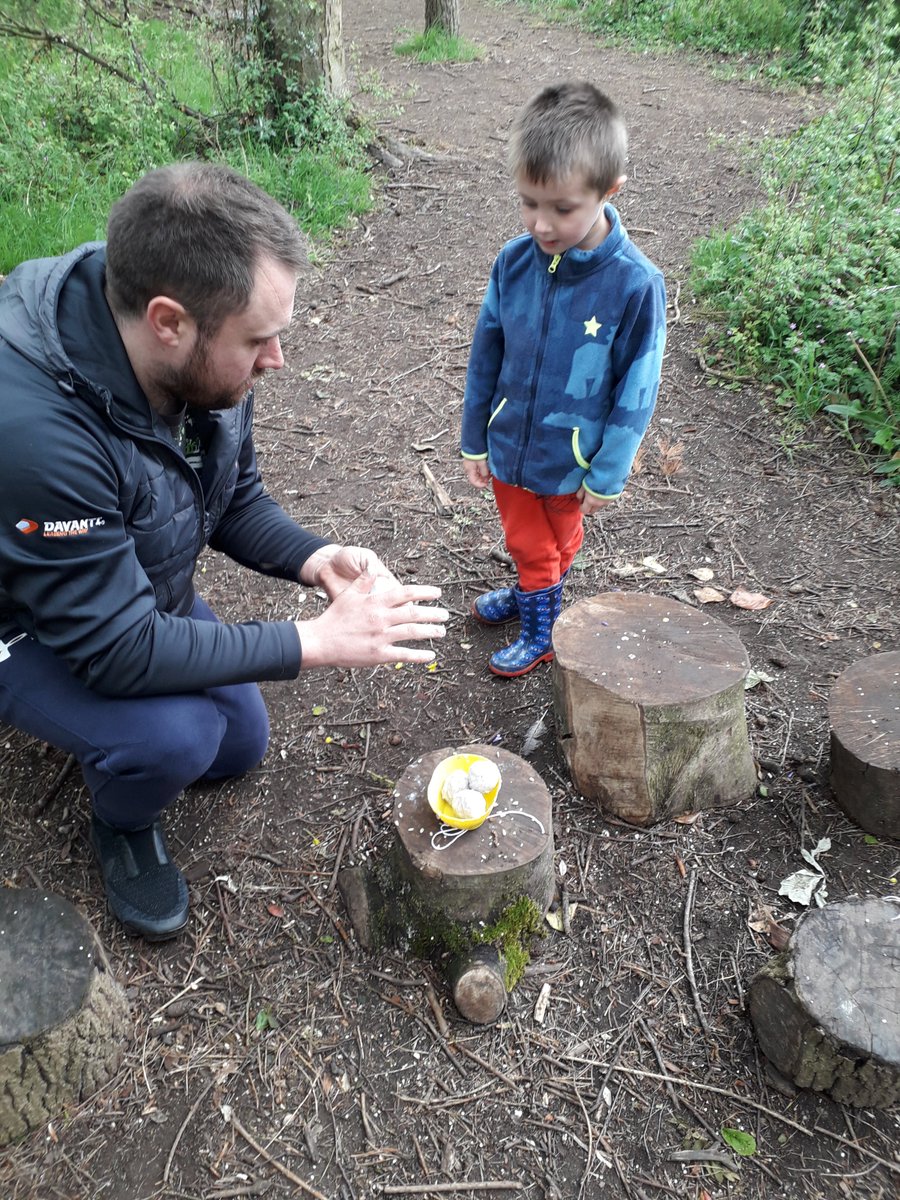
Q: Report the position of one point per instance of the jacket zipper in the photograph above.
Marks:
(539, 358)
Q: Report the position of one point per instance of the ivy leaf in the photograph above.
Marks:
(740, 1142)
(264, 1020)
(319, 710)
(870, 840)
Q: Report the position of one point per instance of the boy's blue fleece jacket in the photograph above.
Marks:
(565, 365)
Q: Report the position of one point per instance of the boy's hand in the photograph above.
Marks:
(590, 504)
(477, 471)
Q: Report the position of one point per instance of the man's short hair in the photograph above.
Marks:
(195, 232)
(565, 128)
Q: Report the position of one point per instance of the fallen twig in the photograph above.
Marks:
(285, 1171)
(688, 953)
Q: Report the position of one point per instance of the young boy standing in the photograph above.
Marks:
(566, 358)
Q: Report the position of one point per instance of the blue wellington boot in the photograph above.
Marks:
(538, 612)
(496, 608)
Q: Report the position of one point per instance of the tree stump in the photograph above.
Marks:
(63, 1021)
(864, 711)
(825, 1009)
(649, 701)
(438, 889)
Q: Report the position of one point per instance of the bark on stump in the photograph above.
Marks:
(63, 1021)
(864, 711)
(649, 700)
(437, 887)
(825, 1009)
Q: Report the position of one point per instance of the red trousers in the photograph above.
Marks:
(543, 533)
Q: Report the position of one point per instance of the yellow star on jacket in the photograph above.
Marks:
(591, 327)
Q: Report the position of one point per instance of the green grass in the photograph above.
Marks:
(74, 136)
(802, 293)
(436, 46)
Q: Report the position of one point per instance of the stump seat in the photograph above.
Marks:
(825, 1009)
(649, 702)
(864, 713)
(63, 1021)
(437, 885)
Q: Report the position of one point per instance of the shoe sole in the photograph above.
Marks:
(524, 671)
(148, 935)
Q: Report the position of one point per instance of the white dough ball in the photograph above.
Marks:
(483, 776)
(469, 804)
(455, 782)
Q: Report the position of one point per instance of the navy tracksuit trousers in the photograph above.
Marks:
(137, 753)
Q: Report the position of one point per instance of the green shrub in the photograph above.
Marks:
(807, 288)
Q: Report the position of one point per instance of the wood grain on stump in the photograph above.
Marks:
(825, 1010)
(439, 886)
(864, 711)
(63, 1021)
(649, 700)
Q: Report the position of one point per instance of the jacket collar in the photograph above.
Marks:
(576, 263)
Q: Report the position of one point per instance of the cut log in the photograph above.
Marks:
(438, 889)
(478, 982)
(649, 701)
(864, 711)
(63, 1021)
(825, 1010)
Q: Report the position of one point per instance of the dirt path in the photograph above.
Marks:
(345, 1081)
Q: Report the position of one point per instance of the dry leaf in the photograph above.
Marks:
(671, 456)
(708, 595)
(755, 601)
(653, 564)
(275, 909)
(688, 818)
(704, 574)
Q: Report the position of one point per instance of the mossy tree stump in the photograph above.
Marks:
(825, 1009)
(649, 700)
(864, 711)
(441, 890)
(63, 1021)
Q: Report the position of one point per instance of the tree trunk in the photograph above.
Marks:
(825, 1010)
(63, 1022)
(306, 38)
(864, 711)
(442, 15)
(649, 699)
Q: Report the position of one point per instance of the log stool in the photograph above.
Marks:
(439, 887)
(825, 1009)
(63, 1021)
(864, 712)
(649, 701)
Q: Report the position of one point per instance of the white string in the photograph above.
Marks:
(447, 835)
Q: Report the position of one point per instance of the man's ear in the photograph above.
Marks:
(169, 321)
(617, 186)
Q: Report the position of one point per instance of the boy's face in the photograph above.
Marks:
(562, 214)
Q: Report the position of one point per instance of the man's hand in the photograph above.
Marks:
(366, 620)
(590, 504)
(477, 471)
(333, 568)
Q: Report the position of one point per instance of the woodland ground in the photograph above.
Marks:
(351, 1086)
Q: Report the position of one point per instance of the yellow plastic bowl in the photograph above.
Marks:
(439, 805)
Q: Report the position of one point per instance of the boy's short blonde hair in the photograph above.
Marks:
(565, 128)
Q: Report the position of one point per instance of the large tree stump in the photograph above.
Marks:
(864, 711)
(438, 888)
(825, 1010)
(63, 1021)
(649, 700)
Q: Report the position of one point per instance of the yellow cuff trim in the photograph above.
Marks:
(474, 457)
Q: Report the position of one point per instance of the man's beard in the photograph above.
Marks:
(191, 384)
